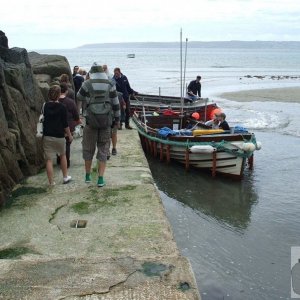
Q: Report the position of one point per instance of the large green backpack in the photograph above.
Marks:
(99, 114)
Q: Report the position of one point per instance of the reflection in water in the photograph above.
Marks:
(225, 200)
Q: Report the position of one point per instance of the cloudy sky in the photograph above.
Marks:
(59, 24)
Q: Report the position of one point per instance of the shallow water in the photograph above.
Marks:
(238, 235)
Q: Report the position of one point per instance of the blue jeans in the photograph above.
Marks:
(193, 98)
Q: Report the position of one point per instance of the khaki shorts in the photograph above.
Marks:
(91, 139)
(53, 146)
(114, 129)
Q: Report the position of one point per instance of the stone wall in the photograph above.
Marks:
(24, 83)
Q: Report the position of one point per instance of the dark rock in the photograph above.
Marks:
(48, 68)
(3, 40)
(24, 84)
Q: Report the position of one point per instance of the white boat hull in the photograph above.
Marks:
(225, 162)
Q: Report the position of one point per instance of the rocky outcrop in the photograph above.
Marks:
(24, 82)
(48, 68)
(3, 40)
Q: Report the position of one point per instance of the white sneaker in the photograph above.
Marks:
(67, 179)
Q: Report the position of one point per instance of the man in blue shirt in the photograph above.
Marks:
(123, 86)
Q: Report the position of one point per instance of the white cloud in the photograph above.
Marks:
(67, 24)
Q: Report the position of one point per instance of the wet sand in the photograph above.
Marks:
(290, 94)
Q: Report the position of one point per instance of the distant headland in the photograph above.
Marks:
(195, 44)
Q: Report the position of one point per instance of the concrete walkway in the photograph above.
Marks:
(125, 251)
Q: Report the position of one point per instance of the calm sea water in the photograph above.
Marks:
(237, 235)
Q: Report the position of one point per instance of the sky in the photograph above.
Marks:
(64, 24)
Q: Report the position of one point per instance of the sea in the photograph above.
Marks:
(242, 238)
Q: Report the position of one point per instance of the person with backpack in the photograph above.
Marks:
(102, 109)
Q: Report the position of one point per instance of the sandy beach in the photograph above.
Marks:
(289, 94)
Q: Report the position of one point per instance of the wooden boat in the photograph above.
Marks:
(220, 152)
(131, 55)
(162, 103)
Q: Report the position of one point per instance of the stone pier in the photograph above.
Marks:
(78, 241)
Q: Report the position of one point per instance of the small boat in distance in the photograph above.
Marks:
(131, 55)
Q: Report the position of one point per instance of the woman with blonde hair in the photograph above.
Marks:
(55, 129)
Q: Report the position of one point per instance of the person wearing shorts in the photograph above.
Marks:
(55, 127)
(95, 137)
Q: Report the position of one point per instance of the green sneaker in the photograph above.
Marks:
(88, 178)
(101, 181)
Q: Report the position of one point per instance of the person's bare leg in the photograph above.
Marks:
(88, 169)
(88, 166)
(114, 139)
(63, 165)
(101, 168)
(49, 169)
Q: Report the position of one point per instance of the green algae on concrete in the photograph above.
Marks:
(99, 198)
(153, 269)
(81, 208)
(16, 252)
(21, 192)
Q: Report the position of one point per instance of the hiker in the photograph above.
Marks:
(55, 128)
(78, 80)
(123, 86)
(194, 89)
(102, 108)
(64, 78)
(114, 129)
(72, 118)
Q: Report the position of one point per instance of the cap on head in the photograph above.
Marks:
(96, 68)
(97, 72)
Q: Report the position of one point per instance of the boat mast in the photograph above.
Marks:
(181, 96)
(181, 88)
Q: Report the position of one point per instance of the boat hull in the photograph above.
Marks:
(219, 153)
(216, 162)
(152, 103)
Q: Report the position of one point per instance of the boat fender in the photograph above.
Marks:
(202, 149)
(258, 145)
(238, 144)
(248, 147)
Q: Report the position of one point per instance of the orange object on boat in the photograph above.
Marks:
(196, 116)
(214, 112)
(170, 112)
